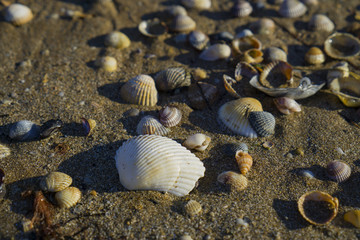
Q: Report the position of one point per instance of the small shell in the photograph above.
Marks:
(152, 28)
(198, 40)
(342, 46)
(2, 184)
(338, 71)
(192, 208)
(244, 33)
(107, 63)
(173, 11)
(236, 181)
(321, 23)
(264, 26)
(170, 116)
(55, 182)
(140, 90)
(117, 40)
(88, 125)
(24, 130)
(50, 127)
(353, 217)
(268, 145)
(209, 92)
(244, 161)
(4, 152)
(252, 56)
(287, 105)
(273, 54)
(182, 23)
(338, 171)
(68, 197)
(172, 78)
(221, 37)
(314, 56)
(318, 208)
(292, 9)
(197, 4)
(150, 125)
(241, 8)
(202, 94)
(216, 52)
(228, 85)
(235, 148)
(262, 122)
(347, 89)
(199, 74)
(240, 45)
(18, 14)
(307, 173)
(197, 141)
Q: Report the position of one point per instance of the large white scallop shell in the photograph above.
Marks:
(151, 162)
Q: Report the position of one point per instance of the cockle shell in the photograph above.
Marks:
(241, 8)
(314, 56)
(244, 161)
(151, 162)
(150, 125)
(240, 45)
(55, 182)
(172, 78)
(338, 171)
(192, 208)
(277, 74)
(263, 26)
(287, 105)
(24, 130)
(216, 52)
(18, 14)
(182, 23)
(353, 217)
(236, 181)
(152, 28)
(170, 116)
(252, 56)
(174, 10)
(198, 39)
(342, 46)
(244, 69)
(68, 197)
(117, 40)
(197, 141)
(292, 9)
(262, 122)
(273, 54)
(197, 4)
(140, 90)
(320, 22)
(107, 63)
(4, 151)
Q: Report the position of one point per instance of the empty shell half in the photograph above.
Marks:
(216, 52)
(236, 181)
(18, 14)
(68, 197)
(172, 78)
(4, 151)
(338, 171)
(197, 141)
(152, 28)
(150, 125)
(240, 45)
(55, 182)
(353, 217)
(170, 116)
(342, 46)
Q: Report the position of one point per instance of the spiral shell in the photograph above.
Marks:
(198, 40)
(338, 171)
(197, 141)
(287, 105)
(140, 90)
(292, 9)
(353, 217)
(4, 151)
(241, 8)
(236, 181)
(55, 182)
(182, 23)
(244, 161)
(216, 52)
(342, 46)
(262, 122)
(24, 130)
(68, 197)
(170, 116)
(18, 14)
(150, 125)
(117, 40)
(314, 56)
(320, 22)
(172, 78)
(197, 4)
(107, 63)
(152, 162)
(192, 208)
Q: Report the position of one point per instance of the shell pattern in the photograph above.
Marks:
(4, 151)
(236, 181)
(68, 197)
(150, 125)
(244, 161)
(241, 8)
(292, 9)
(192, 208)
(170, 116)
(262, 122)
(338, 171)
(172, 78)
(55, 182)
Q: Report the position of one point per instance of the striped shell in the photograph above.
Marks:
(263, 26)
(150, 125)
(68, 197)
(287, 105)
(55, 182)
(192, 208)
(216, 52)
(273, 54)
(117, 40)
(172, 78)
(151, 162)
(277, 74)
(107, 63)
(241, 8)
(292, 9)
(235, 148)
(182, 23)
(198, 39)
(320, 22)
(4, 151)
(170, 116)
(234, 115)
(140, 90)
(197, 4)
(197, 141)
(338, 171)
(353, 217)
(262, 122)
(18, 14)
(244, 161)
(314, 56)
(236, 181)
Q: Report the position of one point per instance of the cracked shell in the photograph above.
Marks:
(150, 125)
(68, 197)
(55, 182)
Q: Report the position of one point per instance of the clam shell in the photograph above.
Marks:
(320, 22)
(151, 162)
(24, 130)
(273, 54)
(263, 26)
(182, 23)
(88, 125)
(314, 56)
(152, 28)
(338, 171)
(241, 8)
(252, 56)
(244, 161)
(140, 90)
(170, 116)
(55, 182)
(68, 197)
(107, 63)
(192, 208)
(292, 9)
(197, 4)
(150, 125)
(244, 69)
(198, 40)
(262, 122)
(197, 141)
(318, 208)
(174, 10)
(117, 40)
(216, 52)
(342, 46)
(236, 181)
(277, 74)
(228, 82)
(4, 151)
(18, 14)
(172, 78)
(353, 217)
(240, 45)
(235, 148)
(287, 105)
(234, 115)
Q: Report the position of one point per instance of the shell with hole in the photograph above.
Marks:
(151, 162)
(235, 181)
(172, 78)
(55, 182)
(197, 141)
(68, 197)
(244, 161)
(150, 125)
(18, 14)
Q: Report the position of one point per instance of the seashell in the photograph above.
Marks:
(338, 71)
(216, 52)
(287, 105)
(4, 152)
(222, 37)
(318, 208)
(68, 197)
(150, 125)
(209, 92)
(273, 54)
(292, 9)
(172, 78)
(268, 145)
(2, 184)
(307, 173)
(310, 3)
(235, 148)
(151, 162)
(107, 63)
(262, 122)
(342, 46)
(50, 127)
(18, 14)
(252, 56)
(353, 217)
(174, 10)
(241, 8)
(228, 82)
(152, 28)
(24, 130)
(182, 23)
(185, 237)
(244, 33)
(199, 74)
(349, 84)
(170, 116)
(321, 23)
(244, 69)
(240, 45)
(192, 208)
(338, 171)
(234, 115)
(55, 182)
(197, 141)
(197, 4)
(277, 75)
(202, 94)
(263, 26)
(117, 40)
(314, 56)
(88, 125)
(198, 40)
(236, 181)
(140, 90)
(244, 161)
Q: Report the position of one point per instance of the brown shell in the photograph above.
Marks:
(240, 45)
(150, 125)
(244, 161)
(236, 181)
(338, 171)
(68, 197)
(277, 74)
(253, 56)
(314, 56)
(201, 94)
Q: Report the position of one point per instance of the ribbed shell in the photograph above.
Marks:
(170, 116)
(18, 14)
(236, 181)
(241, 8)
(262, 122)
(320, 22)
(338, 171)
(234, 115)
(150, 125)
(273, 54)
(172, 78)
(216, 52)
(55, 182)
(244, 161)
(68, 197)
(353, 217)
(292, 9)
(4, 151)
(140, 90)
(151, 162)
(277, 74)
(197, 141)
(314, 56)
(234, 148)
(198, 39)
(182, 23)
(244, 69)
(192, 208)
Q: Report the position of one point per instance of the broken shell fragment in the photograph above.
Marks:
(338, 171)
(18, 14)
(50, 127)
(202, 95)
(182, 23)
(172, 78)
(228, 82)
(244, 69)
(68, 197)
(342, 46)
(338, 71)
(216, 52)
(192, 208)
(24, 130)
(150, 125)
(197, 141)
(353, 217)
(107, 63)
(236, 181)
(287, 105)
(244, 161)
(170, 116)
(88, 125)
(347, 89)
(314, 56)
(292, 9)
(152, 28)
(55, 182)
(4, 151)
(117, 40)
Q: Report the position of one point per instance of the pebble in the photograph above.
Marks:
(339, 150)
(24, 130)
(242, 222)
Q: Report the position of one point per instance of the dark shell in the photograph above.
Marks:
(50, 127)
(172, 78)
(88, 125)
(338, 171)
(278, 74)
(198, 40)
(2, 176)
(262, 122)
(244, 69)
(2, 184)
(170, 116)
(233, 148)
(24, 130)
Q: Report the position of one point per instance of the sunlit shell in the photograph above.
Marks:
(240, 45)
(318, 208)
(150, 125)
(338, 171)
(241, 8)
(244, 33)
(292, 9)
(197, 141)
(68, 197)
(338, 71)
(277, 75)
(198, 39)
(263, 26)
(353, 217)
(244, 161)
(287, 105)
(4, 151)
(197, 4)
(273, 54)
(107, 63)
(342, 46)
(152, 28)
(199, 74)
(228, 85)
(55, 182)
(262, 122)
(252, 56)
(173, 11)
(170, 116)
(152, 162)
(234, 115)
(236, 181)
(117, 40)
(244, 69)
(320, 22)
(88, 125)
(216, 52)
(172, 78)
(140, 90)
(18, 14)
(192, 208)
(24, 130)
(314, 56)
(202, 94)
(235, 148)
(182, 23)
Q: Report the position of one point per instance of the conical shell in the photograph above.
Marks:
(314, 56)
(150, 125)
(320, 22)
(353, 217)
(338, 171)
(55, 182)
(152, 162)
(117, 40)
(292, 9)
(234, 115)
(236, 181)
(241, 8)
(244, 161)
(192, 208)
(18, 14)
(172, 78)
(140, 90)
(216, 52)
(197, 141)
(68, 197)
(4, 151)
(170, 116)
(182, 23)
(262, 122)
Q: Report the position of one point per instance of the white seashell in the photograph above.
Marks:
(150, 125)
(68, 197)
(55, 182)
(244, 33)
(117, 40)
(197, 141)
(4, 151)
(216, 52)
(151, 162)
(197, 4)
(320, 22)
(18, 14)
(287, 105)
(292, 9)
(182, 23)
(109, 64)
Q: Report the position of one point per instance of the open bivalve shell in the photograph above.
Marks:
(347, 89)
(342, 46)
(152, 28)
(240, 45)
(150, 125)
(318, 208)
(151, 162)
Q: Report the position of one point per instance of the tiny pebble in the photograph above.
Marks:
(185, 237)
(339, 150)
(22, 81)
(82, 103)
(242, 222)
(61, 94)
(13, 95)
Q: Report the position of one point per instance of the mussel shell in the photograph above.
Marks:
(241, 8)
(152, 28)
(24, 130)
(198, 40)
(320, 22)
(4, 152)
(182, 23)
(170, 116)
(262, 122)
(292, 9)
(172, 78)
(50, 127)
(88, 125)
(216, 52)
(342, 46)
(338, 171)
(150, 125)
